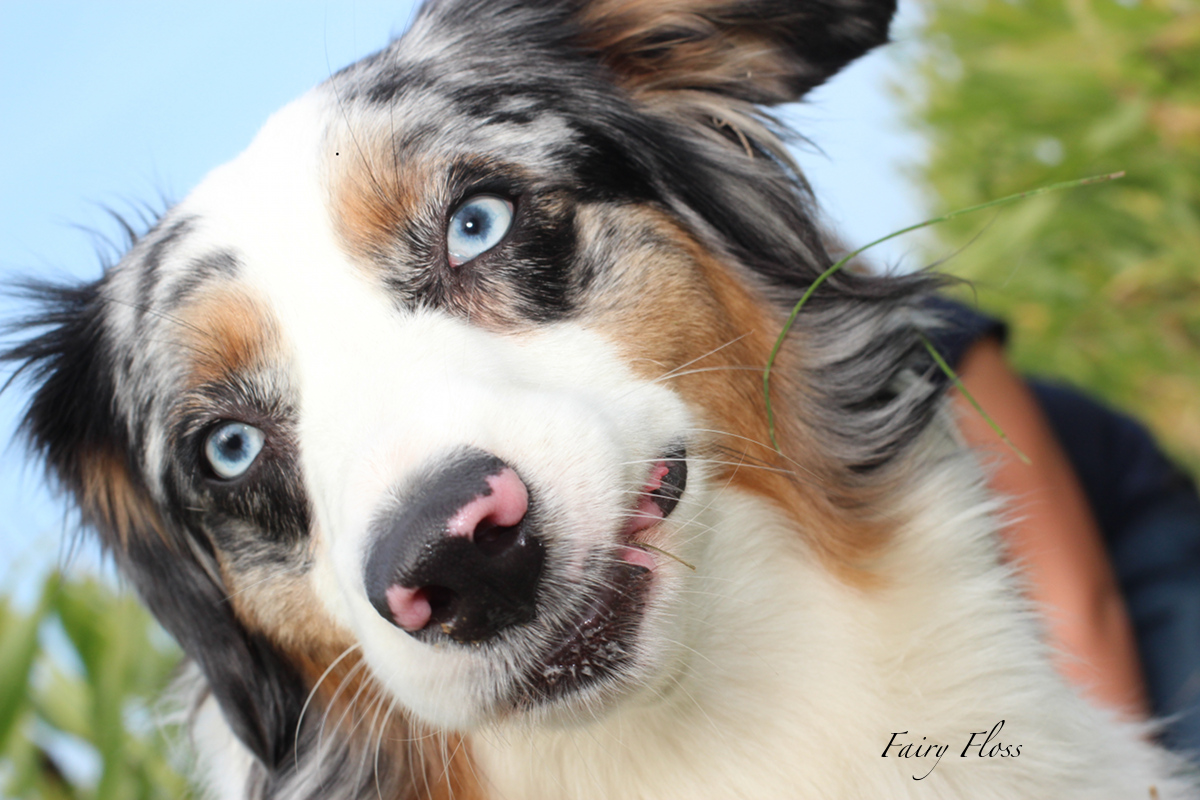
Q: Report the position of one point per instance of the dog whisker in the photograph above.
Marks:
(331, 704)
(701, 370)
(701, 357)
(312, 693)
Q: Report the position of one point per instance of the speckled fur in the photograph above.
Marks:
(846, 587)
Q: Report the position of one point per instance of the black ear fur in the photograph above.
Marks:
(71, 411)
(259, 692)
(73, 423)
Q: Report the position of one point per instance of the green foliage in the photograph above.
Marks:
(80, 674)
(1102, 285)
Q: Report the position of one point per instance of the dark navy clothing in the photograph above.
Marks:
(1149, 513)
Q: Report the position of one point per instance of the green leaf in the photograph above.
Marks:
(65, 702)
(112, 660)
(1104, 292)
(18, 649)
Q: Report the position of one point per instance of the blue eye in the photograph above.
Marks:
(476, 227)
(232, 448)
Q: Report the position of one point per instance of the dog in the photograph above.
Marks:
(433, 428)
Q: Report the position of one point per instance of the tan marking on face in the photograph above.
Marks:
(226, 332)
(111, 501)
(375, 193)
(282, 605)
(683, 316)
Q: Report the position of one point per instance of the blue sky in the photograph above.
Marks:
(121, 104)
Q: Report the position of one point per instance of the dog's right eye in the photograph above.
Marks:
(476, 227)
(232, 448)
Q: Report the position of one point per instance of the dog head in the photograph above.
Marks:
(419, 390)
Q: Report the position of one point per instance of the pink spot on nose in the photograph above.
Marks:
(489, 521)
(410, 607)
(503, 507)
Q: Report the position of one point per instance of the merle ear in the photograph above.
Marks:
(758, 51)
(72, 422)
(260, 694)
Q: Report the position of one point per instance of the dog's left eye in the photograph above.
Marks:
(232, 448)
(476, 227)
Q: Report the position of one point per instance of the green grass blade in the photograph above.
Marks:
(1012, 198)
(953, 376)
(662, 552)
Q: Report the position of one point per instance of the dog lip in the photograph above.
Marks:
(594, 645)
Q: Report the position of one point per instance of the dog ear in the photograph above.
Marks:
(758, 51)
(72, 422)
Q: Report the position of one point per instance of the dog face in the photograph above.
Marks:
(415, 396)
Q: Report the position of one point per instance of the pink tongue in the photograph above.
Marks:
(647, 513)
(638, 557)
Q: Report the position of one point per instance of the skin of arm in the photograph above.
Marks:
(1054, 535)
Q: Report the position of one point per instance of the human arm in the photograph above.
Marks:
(1053, 535)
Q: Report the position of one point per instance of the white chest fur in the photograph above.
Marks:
(796, 684)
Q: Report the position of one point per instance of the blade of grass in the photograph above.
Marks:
(662, 552)
(953, 376)
(787, 327)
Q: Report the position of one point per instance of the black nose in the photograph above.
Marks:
(456, 555)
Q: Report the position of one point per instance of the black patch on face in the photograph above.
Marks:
(606, 169)
(199, 271)
(163, 242)
(486, 103)
(527, 277)
(536, 262)
(262, 515)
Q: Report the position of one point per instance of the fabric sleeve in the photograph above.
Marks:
(959, 327)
